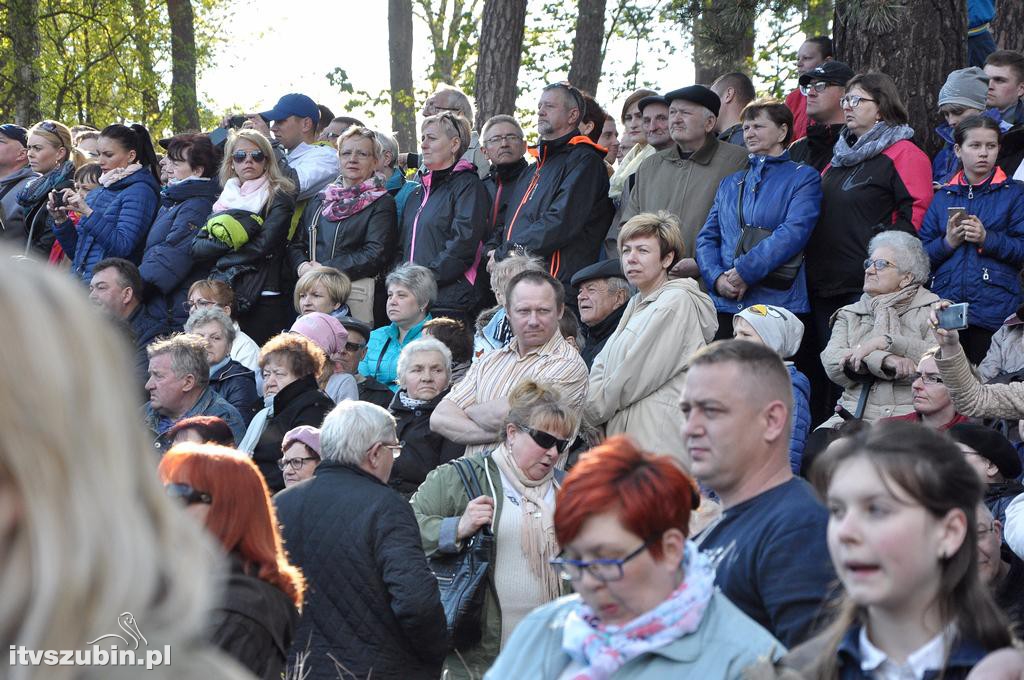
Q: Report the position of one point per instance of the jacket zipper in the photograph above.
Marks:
(416, 221)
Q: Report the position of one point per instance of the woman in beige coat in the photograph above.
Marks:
(636, 379)
(878, 340)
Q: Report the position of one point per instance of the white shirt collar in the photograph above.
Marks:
(930, 656)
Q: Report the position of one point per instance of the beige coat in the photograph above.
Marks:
(684, 187)
(854, 324)
(973, 399)
(636, 379)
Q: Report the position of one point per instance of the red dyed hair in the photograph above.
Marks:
(241, 515)
(651, 493)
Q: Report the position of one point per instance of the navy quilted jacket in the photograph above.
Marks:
(371, 601)
(801, 416)
(121, 216)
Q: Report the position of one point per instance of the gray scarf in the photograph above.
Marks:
(870, 144)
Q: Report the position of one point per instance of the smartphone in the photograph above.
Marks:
(58, 198)
(954, 317)
(218, 136)
(956, 213)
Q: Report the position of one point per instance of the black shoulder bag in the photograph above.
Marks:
(781, 278)
(462, 577)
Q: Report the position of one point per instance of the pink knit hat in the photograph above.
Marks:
(325, 331)
(310, 436)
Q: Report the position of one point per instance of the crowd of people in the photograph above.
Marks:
(685, 381)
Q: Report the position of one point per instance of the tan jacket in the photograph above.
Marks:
(684, 187)
(854, 324)
(973, 399)
(636, 379)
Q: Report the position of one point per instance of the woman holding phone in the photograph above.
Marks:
(974, 235)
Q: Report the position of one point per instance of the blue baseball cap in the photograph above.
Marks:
(293, 105)
(15, 132)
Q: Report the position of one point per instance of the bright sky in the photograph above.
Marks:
(279, 46)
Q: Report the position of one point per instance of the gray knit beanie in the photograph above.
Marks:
(965, 87)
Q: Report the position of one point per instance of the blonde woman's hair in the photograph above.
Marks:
(539, 405)
(335, 282)
(88, 532)
(363, 133)
(662, 225)
(453, 126)
(59, 137)
(276, 179)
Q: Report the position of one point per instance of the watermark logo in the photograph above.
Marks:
(99, 655)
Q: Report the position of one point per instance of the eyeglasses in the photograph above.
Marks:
(294, 463)
(878, 264)
(257, 156)
(497, 140)
(189, 305)
(330, 135)
(354, 346)
(765, 310)
(396, 448)
(985, 529)
(817, 87)
(545, 440)
(187, 494)
(604, 570)
(853, 101)
(927, 378)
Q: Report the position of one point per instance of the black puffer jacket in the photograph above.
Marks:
(422, 449)
(300, 403)
(361, 245)
(372, 602)
(560, 208)
(255, 624)
(237, 384)
(443, 227)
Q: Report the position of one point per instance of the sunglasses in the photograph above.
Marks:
(545, 440)
(240, 156)
(354, 346)
(187, 494)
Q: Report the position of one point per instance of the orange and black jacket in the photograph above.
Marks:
(560, 208)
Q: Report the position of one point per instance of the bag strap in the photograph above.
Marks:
(465, 480)
(475, 488)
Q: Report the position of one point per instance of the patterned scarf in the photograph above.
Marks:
(409, 402)
(604, 648)
(35, 191)
(341, 201)
(868, 145)
(886, 309)
(118, 174)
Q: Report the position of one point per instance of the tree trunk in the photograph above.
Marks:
(403, 100)
(501, 50)
(585, 68)
(899, 39)
(1008, 26)
(150, 99)
(723, 37)
(184, 104)
(23, 29)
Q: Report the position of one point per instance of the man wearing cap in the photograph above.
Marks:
(822, 87)
(684, 178)
(354, 351)
(293, 122)
(14, 175)
(602, 299)
(735, 90)
(560, 210)
(814, 52)
(996, 462)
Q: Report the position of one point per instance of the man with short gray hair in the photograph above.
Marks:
(366, 574)
(504, 145)
(179, 387)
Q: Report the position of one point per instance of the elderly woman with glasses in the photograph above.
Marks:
(228, 378)
(519, 480)
(877, 341)
(300, 454)
(424, 377)
(446, 220)
(645, 603)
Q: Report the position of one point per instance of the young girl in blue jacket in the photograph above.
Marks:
(974, 234)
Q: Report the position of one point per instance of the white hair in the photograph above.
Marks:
(201, 317)
(351, 429)
(909, 253)
(423, 345)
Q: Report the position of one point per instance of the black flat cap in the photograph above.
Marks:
(651, 99)
(835, 72)
(990, 445)
(352, 324)
(601, 270)
(698, 94)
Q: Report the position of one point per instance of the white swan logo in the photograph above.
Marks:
(126, 621)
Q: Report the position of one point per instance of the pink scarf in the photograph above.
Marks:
(117, 174)
(341, 202)
(250, 195)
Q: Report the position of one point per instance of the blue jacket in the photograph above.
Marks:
(146, 326)
(382, 350)
(791, 202)
(121, 216)
(980, 12)
(986, 277)
(964, 655)
(210, 404)
(801, 416)
(167, 261)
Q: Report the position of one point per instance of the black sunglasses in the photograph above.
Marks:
(239, 156)
(187, 494)
(545, 440)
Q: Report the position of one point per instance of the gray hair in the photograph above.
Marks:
(351, 429)
(501, 118)
(416, 278)
(188, 356)
(423, 345)
(388, 144)
(910, 255)
(201, 317)
(616, 283)
(458, 100)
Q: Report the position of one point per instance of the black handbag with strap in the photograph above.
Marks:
(782, 277)
(462, 578)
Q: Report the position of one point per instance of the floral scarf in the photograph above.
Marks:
(868, 145)
(118, 174)
(603, 648)
(340, 201)
(36, 191)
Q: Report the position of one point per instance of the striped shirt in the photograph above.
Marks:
(493, 376)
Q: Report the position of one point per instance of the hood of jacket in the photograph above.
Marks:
(507, 171)
(958, 183)
(550, 147)
(707, 316)
(434, 177)
(22, 173)
(192, 188)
